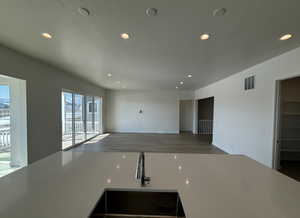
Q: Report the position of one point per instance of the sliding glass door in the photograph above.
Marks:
(90, 117)
(97, 110)
(67, 119)
(81, 118)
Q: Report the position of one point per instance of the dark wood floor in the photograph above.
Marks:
(165, 143)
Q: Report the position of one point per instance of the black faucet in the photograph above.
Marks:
(140, 170)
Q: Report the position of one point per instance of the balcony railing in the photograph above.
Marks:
(206, 127)
(79, 127)
(4, 140)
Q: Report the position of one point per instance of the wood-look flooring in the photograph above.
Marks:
(162, 143)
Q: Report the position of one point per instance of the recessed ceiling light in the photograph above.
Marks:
(187, 181)
(286, 37)
(219, 12)
(181, 83)
(176, 87)
(84, 11)
(205, 36)
(125, 36)
(190, 76)
(151, 11)
(109, 75)
(47, 35)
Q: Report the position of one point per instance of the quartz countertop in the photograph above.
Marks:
(69, 184)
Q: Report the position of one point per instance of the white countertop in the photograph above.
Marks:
(68, 185)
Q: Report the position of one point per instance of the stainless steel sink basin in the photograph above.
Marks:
(136, 203)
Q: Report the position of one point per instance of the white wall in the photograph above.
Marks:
(44, 85)
(244, 120)
(186, 115)
(160, 111)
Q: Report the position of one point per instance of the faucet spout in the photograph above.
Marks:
(140, 170)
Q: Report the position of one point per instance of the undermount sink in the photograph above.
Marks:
(135, 203)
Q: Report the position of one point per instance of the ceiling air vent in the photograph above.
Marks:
(249, 83)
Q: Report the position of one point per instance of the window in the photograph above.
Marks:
(67, 119)
(90, 117)
(98, 116)
(5, 145)
(81, 118)
(90, 107)
(13, 125)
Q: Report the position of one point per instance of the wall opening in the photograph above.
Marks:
(288, 128)
(206, 118)
(13, 125)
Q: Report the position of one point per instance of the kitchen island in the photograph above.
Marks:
(69, 184)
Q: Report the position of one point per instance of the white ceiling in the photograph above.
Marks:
(162, 49)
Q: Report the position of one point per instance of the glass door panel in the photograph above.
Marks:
(79, 118)
(90, 125)
(97, 110)
(67, 121)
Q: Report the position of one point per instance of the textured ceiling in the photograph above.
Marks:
(162, 50)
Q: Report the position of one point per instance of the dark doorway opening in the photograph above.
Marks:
(206, 118)
(288, 139)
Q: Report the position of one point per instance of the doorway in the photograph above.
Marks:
(206, 118)
(287, 149)
(186, 116)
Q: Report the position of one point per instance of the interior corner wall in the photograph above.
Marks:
(244, 120)
(44, 84)
(144, 111)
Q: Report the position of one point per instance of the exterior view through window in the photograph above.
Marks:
(81, 118)
(13, 125)
(4, 129)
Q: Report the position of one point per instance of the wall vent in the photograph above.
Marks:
(249, 83)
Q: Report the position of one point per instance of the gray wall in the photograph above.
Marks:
(44, 86)
(244, 120)
(160, 111)
(186, 115)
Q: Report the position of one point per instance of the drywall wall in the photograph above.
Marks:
(244, 120)
(186, 115)
(44, 85)
(144, 111)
